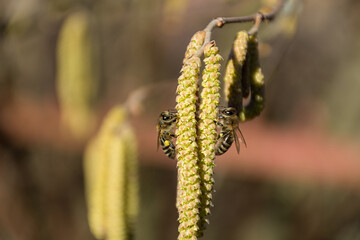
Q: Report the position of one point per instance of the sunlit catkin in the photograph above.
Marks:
(257, 84)
(207, 128)
(188, 194)
(188, 189)
(233, 88)
(111, 178)
(195, 44)
(77, 74)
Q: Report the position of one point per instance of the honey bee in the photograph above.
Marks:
(167, 122)
(228, 120)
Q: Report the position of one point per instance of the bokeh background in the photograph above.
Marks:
(299, 177)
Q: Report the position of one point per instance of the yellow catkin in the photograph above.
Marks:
(116, 188)
(188, 189)
(195, 44)
(257, 84)
(111, 178)
(77, 74)
(95, 166)
(207, 128)
(132, 187)
(233, 88)
(188, 195)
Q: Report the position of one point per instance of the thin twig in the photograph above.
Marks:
(257, 18)
(255, 27)
(265, 17)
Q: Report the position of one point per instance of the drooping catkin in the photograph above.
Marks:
(257, 84)
(188, 189)
(96, 172)
(111, 178)
(77, 74)
(116, 227)
(132, 187)
(188, 195)
(207, 128)
(95, 166)
(195, 44)
(233, 89)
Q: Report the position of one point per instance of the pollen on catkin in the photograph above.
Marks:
(207, 128)
(77, 74)
(195, 44)
(257, 84)
(233, 88)
(188, 189)
(188, 178)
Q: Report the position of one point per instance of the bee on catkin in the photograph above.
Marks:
(166, 124)
(228, 120)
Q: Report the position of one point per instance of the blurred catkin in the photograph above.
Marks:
(115, 188)
(188, 189)
(111, 178)
(207, 128)
(235, 70)
(77, 74)
(95, 166)
(173, 12)
(132, 186)
(257, 84)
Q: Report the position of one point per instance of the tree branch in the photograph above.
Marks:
(251, 18)
(257, 18)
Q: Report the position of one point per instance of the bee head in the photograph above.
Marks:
(229, 111)
(165, 115)
(227, 117)
(167, 119)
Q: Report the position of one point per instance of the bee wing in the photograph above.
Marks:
(158, 137)
(241, 137)
(237, 143)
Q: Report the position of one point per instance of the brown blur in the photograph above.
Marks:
(298, 178)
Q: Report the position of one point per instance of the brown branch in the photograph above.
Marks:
(264, 17)
(255, 27)
(257, 18)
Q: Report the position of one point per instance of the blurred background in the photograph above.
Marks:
(298, 178)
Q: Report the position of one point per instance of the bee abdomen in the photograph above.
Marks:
(167, 147)
(223, 143)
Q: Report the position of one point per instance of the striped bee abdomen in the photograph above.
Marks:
(224, 142)
(167, 122)
(167, 145)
